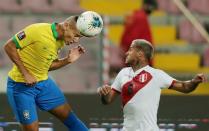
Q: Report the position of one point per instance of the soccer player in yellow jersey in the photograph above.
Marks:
(34, 52)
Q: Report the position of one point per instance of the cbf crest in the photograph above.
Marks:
(26, 114)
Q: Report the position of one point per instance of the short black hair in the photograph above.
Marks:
(145, 46)
(76, 18)
(73, 18)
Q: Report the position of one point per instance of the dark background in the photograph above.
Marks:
(172, 110)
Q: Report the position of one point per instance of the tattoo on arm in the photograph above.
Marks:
(190, 85)
(185, 86)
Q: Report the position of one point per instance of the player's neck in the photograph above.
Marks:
(60, 31)
(138, 66)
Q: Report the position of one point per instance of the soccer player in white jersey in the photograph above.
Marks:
(140, 86)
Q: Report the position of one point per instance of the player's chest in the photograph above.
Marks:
(46, 51)
(45, 48)
(134, 82)
(141, 77)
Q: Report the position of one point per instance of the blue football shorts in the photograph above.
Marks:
(24, 99)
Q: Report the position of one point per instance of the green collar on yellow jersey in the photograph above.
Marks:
(54, 31)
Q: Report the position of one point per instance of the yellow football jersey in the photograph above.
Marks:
(38, 47)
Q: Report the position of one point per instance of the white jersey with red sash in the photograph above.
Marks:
(140, 93)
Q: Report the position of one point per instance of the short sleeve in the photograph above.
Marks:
(165, 80)
(117, 82)
(24, 37)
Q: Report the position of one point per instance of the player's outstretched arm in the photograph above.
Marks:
(188, 86)
(11, 51)
(73, 55)
(107, 94)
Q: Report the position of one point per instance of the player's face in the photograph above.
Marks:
(131, 56)
(71, 35)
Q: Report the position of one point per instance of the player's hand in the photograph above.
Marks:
(104, 90)
(75, 53)
(30, 80)
(199, 78)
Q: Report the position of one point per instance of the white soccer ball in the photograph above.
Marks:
(89, 23)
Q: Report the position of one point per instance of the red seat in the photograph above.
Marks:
(188, 32)
(10, 6)
(205, 57)
(50, 19)
(200, 6)
(172, 8)
(203, 8)
(197, 37)
(5, 31)
(193, 5)
(185, 30)
(168, 6)
(67, 6)
(19, 23)
(162, 4)
(37, 6)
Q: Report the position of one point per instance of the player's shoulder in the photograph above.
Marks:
(38, 26)
(125, 70)
(37, 29)
(154, 70)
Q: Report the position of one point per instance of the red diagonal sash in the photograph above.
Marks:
(130, 88)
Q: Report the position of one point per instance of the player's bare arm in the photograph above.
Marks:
(11, 50)
(72, 56)
(107, 94)
(188, 86)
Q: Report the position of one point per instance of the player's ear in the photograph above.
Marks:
(140, 53)
(66, 25)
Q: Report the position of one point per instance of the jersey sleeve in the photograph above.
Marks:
(24, 37)
(165, 80)
(117, 82)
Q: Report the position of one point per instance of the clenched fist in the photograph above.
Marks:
(104, 90)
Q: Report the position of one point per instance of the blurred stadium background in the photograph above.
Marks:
(180, 50)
